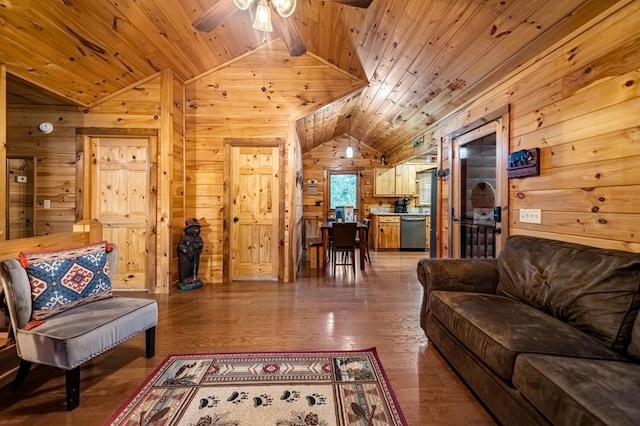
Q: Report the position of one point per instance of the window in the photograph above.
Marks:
(424, 188)
(343, 189)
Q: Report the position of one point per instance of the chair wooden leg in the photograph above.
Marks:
(73, 388)
(23, 370)
(334, 261)
(150, 342)
(353, 261)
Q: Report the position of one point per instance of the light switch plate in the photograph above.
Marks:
(21, 179)
(47, 204)
(531, 216)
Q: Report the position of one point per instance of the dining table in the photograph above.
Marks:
(361, 227)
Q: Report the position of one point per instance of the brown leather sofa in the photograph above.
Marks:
(548, 333)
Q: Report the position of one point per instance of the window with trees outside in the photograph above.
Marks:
(343, 189)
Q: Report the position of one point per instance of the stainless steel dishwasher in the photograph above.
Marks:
(413, 232)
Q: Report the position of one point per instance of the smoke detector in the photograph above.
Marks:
(45, 127)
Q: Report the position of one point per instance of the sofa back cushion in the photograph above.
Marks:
(634, 346)
(63, 279)
(595, 290)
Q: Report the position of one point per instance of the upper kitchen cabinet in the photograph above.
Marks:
(406, 179)
(395, 181)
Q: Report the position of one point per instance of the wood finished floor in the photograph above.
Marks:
(379, 307)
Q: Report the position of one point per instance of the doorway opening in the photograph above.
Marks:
(478, 198)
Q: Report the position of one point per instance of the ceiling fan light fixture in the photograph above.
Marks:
(243, 4)
(263, 17)
(284, 7)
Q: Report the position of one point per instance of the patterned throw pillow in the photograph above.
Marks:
(63, 279)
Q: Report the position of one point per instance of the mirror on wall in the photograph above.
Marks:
(21, 217)
(38, 193)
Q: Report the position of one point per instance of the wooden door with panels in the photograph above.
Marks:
(123, 200)
(469, 236)
(255, 201)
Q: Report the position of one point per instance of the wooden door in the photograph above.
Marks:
(122, 202)
(255, 216)
(458, 192)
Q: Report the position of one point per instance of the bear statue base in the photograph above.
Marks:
(190, 286)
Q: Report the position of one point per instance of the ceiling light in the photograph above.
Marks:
(284, 7)
(263, 17)
(243, 4)
(262, 20)
(349, 152)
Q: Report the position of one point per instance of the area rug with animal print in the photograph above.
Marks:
(265, 388)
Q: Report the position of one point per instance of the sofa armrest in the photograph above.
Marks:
(469, 275)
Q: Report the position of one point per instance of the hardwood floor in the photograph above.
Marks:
(379, 307)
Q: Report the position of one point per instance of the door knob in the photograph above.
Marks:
(235, 219)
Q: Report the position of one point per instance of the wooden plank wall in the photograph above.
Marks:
(229, 103)
(578, 103)
(3, 146)
(177, 181)
(137, 107)
(207, 127)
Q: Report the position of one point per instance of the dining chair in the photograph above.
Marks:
(367, 223)
(344, 242)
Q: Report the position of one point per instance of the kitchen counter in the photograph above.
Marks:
(386, 230)
(403, 214)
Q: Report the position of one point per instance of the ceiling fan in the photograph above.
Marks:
(224, 9)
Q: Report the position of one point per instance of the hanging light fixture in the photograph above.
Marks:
(349, 148)
(262, 20)
(263, 17)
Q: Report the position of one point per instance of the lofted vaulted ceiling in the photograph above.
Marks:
(421, 58)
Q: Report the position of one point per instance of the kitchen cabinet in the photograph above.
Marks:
(406, 179)
(385, 183)
(386, 233)
(396, 181)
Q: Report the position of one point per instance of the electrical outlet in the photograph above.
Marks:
(21, 179)
(47, 204)
(531, 215)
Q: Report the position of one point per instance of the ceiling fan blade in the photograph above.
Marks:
(216, 15)
(290, 34)
(363, 4)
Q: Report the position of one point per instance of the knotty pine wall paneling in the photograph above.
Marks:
(296, 241)
(227, 103)
(206, 131)
(3, 146)
(577, 102)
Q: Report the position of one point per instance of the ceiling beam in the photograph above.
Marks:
(216, 15)
(290, 35)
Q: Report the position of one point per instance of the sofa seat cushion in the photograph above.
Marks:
(76, 335)
(572, 391)
(497, 329)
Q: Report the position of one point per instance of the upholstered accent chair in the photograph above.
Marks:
(68, 339)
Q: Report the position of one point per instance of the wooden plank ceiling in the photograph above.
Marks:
(422, 58)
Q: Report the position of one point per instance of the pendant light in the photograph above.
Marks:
(349, 148)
